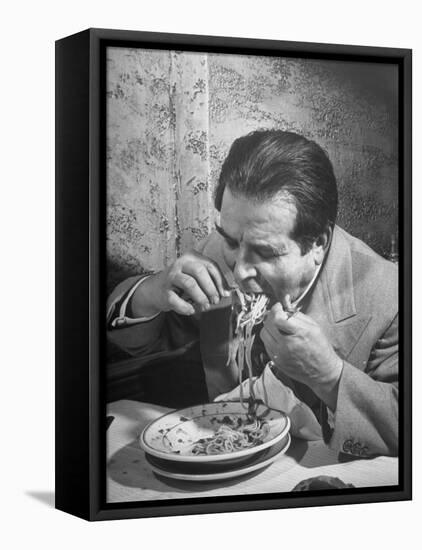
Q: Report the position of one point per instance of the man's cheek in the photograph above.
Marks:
(229, 258)
(270, 282)
(230, 264)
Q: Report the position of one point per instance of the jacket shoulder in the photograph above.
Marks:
(375, 279)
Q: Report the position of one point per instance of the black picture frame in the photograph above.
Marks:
(80, 266)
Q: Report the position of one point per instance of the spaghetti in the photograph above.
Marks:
(248, 311)
(234, 435)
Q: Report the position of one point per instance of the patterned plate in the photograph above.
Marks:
(174, 435)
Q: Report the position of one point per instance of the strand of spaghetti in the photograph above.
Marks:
(248, 311)
(252, 312)
(241, 360)
(249, 343)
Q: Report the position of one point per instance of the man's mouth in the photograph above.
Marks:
(251, 288)
(255, 287)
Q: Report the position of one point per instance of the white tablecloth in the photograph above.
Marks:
(130, 478)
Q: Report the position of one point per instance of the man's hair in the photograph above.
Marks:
(265, 163)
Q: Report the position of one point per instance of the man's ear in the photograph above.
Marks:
(322, 244)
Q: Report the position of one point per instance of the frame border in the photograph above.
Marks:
(81, 260)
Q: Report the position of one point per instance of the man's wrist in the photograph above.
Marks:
(327, 388)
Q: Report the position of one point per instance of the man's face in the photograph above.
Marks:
(259, 250)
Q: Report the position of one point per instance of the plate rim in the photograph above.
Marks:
(223, 466)
(211, 458)
(220, 476)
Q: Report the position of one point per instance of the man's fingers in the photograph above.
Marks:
(195, 279)
(270, 343)
(219, 280)
(284, 322)
(286, 302)
(190, 288)
(200, 273)
(179, 305)
(270, 327)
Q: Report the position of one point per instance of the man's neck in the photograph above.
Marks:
(300, 298)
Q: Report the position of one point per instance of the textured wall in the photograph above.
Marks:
(173, 115)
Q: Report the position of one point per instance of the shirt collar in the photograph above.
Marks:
(307, 289)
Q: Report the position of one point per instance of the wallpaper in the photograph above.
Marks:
(172, 116)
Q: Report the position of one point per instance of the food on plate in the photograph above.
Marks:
(234, 435)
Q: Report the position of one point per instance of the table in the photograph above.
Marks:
(129, 478)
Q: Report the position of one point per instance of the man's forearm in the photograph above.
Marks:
(143, 302)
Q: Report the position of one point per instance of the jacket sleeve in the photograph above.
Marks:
(366, 418)
(165, 332)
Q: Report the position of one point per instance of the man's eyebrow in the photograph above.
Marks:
(266, 247)
(224, 234)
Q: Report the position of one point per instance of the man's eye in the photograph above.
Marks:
(231, 244)
(269, 254)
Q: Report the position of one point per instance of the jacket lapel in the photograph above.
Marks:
(332, 303)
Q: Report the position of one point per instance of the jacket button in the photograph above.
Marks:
(364, 451)
(356, 449)
(347, 446)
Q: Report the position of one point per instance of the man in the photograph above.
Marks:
(277, 199)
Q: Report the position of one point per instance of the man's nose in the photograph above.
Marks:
(243, 269)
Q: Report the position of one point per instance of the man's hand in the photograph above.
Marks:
(299, 349)
(192, 282)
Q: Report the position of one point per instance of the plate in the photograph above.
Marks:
(210, 467)
(173, 435)
(183, 471)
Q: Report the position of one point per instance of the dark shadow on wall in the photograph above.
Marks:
(373, 79)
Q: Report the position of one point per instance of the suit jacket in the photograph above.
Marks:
(355, 301)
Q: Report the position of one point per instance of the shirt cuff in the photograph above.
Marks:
(122, 320)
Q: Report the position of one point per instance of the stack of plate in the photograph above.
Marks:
(169, 440)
